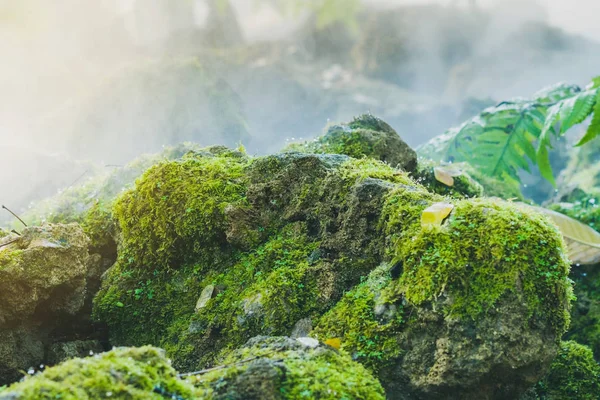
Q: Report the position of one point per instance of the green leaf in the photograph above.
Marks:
(501, 140)
(595, 83)
(543, 161)
(576, 109)
(594, 128)
(554, 93)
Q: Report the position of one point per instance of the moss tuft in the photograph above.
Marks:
(123, 373)
(176, 212)
(282, 368)
(573, 375)
(371, 323)
(523, 254)
(365, 136)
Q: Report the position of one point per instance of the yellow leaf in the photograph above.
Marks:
(436, 213)
(336, 343)
(582, 241)
(441, 175)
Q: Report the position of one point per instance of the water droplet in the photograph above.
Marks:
(91, 353)
(108, 394)
(31, 371)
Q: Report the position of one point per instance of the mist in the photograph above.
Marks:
(90, 84)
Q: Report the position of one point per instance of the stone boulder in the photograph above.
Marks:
(123, 373)
(471, 307)
(270, 368)
(365, 136)
(42, 285)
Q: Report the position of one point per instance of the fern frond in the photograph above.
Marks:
(556, 92)
(594, 128)
(501, 140)
(498, 142)
(576, 109)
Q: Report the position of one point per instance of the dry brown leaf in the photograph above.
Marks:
(583, 241)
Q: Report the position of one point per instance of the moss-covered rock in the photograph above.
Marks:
(574, 374)
(463, 186)
(123, 373)
(288, 224)
(450, 315)
(217, 249)
(42, 285)
(585, 315)
(283, 368)
(365, 136)
(264, 368)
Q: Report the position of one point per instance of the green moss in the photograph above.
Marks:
(312, 239)
(365, 136)
(122, 373)
(285, 369)
(523, 254)
(371, 323)
(574, 374)
(585, 315)
(283, 238)
(172, 228)
(464, 186)
(90, 202)
(266, 292)
(176, 212)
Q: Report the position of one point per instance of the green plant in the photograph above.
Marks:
(511, 136)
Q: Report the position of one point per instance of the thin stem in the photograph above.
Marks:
(15, 215)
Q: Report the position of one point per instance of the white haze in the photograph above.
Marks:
(56, 54)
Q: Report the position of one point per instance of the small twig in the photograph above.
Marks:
(23, 222)
(13, 231)
(7, 243)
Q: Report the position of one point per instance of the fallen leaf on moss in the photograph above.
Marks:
(436, 214)
(336, 343)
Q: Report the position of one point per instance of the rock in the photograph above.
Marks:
(59, 352)
(302, 328)
(283, 368)
(205, 296)
(21, 348)
(308, 342)
(264, 368)
(365, 136)
(137, 374)
(42, 287)
(44, 269)
(447, 309)
(432, 346)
